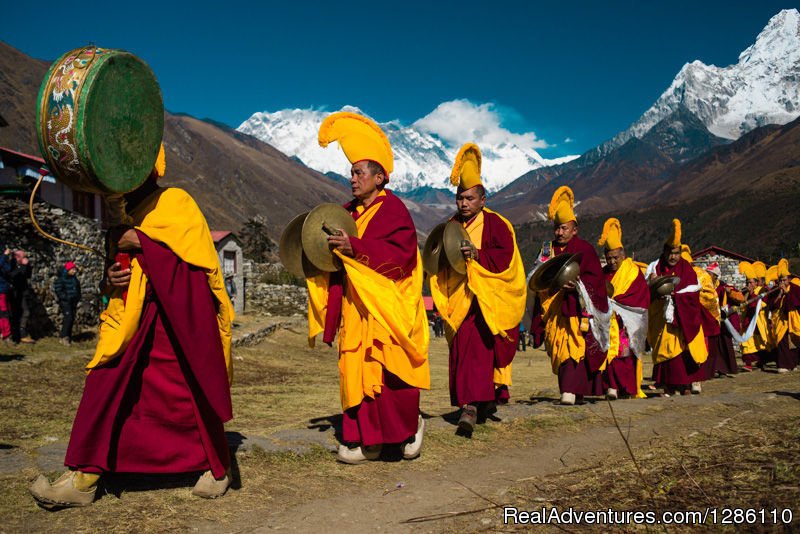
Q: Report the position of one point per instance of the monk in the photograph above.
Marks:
(675, 330)
(630, 298)
(375, 304)
(575, 318)
(483, 308)
(727, 296)
(785, 306)
(158, 388)
(710, 314)
(755, 349)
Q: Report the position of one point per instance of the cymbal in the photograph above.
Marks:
(318, 224)
(664, 285)
(290, 248)
(555, 272)
(432, 250)
(454, 235)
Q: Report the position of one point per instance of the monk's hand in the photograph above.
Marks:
(569, 286)
(118, 277)
(469, 251)
(129, 240)
(341, 242)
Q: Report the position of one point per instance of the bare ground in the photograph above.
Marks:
(734, 445)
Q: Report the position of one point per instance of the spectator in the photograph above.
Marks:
(5, 295)
(21, 297)
(68, 293)
(230, 287)
(523, 338)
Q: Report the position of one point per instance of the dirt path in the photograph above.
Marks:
(388, 499)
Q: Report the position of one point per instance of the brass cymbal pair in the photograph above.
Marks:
(556, 272)
(443, 248)
(304, 249)
(663, 285)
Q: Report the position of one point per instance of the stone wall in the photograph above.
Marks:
(46, 257)
(270, 290)
(729, 268)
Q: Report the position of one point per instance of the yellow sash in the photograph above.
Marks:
(667, 340)
(169, 216)
(501, 296)
(383, 326)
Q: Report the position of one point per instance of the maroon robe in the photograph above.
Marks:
(758, 358)
(725, 361)
(584, 377)
(785, 357)
(160, 406)
(620, 373)
(682, 370)
(474, 351)
(389, 247)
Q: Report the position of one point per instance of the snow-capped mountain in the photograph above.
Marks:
(422, 157)
(762, 88)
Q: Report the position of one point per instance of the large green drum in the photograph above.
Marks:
(100, 120)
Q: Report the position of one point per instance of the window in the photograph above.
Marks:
(229, 261)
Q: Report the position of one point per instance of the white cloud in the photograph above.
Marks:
(568, 140)
(460, 121)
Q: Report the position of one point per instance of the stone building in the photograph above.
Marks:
(19, 172)
(229, 250)
(728, 263)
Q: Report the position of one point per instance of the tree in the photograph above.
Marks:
(256, 243)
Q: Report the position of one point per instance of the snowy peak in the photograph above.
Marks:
(762, 88)
(423, 152)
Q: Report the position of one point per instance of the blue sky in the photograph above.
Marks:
(574, 73)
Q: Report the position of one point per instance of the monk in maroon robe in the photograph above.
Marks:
(620, 373)
(159, 407)
(725, 359)
(387, 246)
(578, 374)
(474, 352)
(681, 371)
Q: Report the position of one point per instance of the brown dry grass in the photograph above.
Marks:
(279, 384)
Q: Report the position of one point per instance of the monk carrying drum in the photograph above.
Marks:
(157, 391)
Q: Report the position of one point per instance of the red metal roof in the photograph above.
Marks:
(721, 251)
(219, 235)
(22, 155)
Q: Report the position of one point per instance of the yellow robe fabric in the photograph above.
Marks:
(501, 296)
(667, 341)
(621, 282)
(169, 216)
(562, 335)
(708, 293)
(383, 325)
(761, 336)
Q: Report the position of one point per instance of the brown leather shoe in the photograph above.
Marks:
(209, 487)
(65, 491)
(468, 419)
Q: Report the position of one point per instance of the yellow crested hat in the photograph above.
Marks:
(759, 269)
(160, 166)
(674, 239)
(686, 253)
(772, 274)
(611, 237)
(561, 206)
(360, 138)
(466, 172)
(783, 267)
(746, 269)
